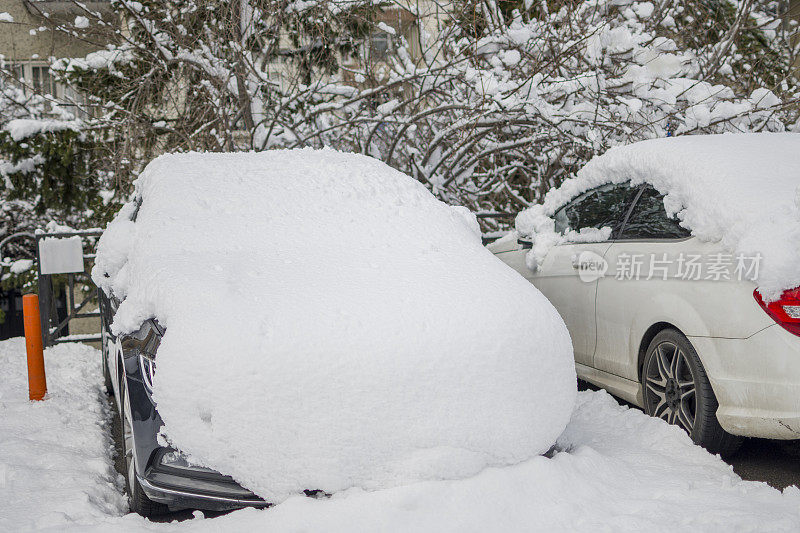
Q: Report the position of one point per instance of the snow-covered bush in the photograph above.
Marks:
(489, 104)
(330, 324)
(46, 171)
(212, 75)
(512, 97)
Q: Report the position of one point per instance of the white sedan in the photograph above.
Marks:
(662, 318)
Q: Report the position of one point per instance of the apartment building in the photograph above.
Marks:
(28, 45)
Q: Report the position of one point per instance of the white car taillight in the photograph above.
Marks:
(785, 310)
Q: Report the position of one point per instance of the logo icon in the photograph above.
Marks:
(590, 266)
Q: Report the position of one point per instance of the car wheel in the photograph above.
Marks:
(137, 499)
(675, 388)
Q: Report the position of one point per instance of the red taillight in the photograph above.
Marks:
(785, 310)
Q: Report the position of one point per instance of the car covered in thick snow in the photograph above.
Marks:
(675, 264)
(309, 320)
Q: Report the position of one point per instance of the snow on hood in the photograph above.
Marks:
(742, 190)
(330, 324)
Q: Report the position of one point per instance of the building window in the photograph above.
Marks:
(379, 45)
(36, 78)
(42, 80)
(18, 71)
(274, 72)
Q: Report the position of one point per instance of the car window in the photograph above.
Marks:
(649, 219)
(603, 206)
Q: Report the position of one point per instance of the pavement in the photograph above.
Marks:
(773, 461)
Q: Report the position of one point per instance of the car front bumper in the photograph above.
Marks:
(188, 492)
(756, 381)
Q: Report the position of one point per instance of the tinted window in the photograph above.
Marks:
(649, 219)
(603, 206)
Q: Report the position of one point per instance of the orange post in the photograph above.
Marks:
(37, 382)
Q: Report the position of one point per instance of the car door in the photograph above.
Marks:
(558, 278)
(640, 265)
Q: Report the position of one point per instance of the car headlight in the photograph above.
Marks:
(142, 345)
(171, 458)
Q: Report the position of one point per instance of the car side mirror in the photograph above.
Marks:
(526, 243)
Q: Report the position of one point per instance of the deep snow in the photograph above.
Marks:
(330, 324)
(618, 470)
(55, 455)
(742, 190)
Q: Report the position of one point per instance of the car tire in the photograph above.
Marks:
(106, 373)
(138, 501)
(675, 388)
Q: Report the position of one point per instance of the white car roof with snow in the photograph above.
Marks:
(742, 190)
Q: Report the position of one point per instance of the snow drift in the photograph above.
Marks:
(742, 190)
(330, 324)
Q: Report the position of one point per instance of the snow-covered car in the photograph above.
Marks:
(675, 265)
(319, 321)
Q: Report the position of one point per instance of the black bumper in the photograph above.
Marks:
(179, 498)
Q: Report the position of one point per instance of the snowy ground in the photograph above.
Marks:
(619, 471)
(55, 456)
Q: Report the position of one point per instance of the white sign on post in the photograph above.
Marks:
(61, 256)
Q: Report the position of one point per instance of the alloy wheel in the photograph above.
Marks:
(670, 389)
(138, 500)
(127, 436)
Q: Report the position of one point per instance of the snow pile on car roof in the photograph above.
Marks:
(742, 190)
(330, 324)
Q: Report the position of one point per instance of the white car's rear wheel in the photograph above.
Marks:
(676, 389)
